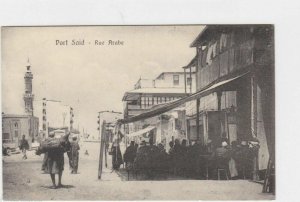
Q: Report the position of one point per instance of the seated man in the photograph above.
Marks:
(162, 161)
(142, 156)
(221, 157)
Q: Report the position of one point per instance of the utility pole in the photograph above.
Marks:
(64, 114)
(45, 124)
(71, 119)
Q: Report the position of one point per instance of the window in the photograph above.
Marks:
(160, 99)
(150, 101)
(143, 102)
(189, 81)
(175, 80)
(154, 100)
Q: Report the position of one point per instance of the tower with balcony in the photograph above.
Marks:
(28, 96)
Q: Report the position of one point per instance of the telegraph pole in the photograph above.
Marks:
(45, 124)
(71, 119)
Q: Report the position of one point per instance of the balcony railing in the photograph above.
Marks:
(230, 60)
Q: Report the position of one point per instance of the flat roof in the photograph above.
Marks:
(168, 73)
(155, 91)
(17, 116)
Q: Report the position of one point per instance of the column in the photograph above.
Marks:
(254, 121)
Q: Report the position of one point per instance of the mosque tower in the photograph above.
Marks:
(28, 96)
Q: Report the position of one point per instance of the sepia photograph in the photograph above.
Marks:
(138, 112)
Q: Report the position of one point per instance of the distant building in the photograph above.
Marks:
(148, 94)
(14, 126)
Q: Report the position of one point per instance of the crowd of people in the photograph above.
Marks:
(194, 160)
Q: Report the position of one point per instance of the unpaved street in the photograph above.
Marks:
(23, 180)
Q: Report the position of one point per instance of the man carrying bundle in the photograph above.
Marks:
(55, 148)
(55, 163)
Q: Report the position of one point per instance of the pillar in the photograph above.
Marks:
(253, 83)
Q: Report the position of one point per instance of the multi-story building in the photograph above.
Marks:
(148, 94)
(235, 65)
(234, 98)
(167, 87)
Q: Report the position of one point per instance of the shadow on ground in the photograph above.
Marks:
(63, 187)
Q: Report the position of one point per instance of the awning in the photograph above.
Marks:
(169, 106)
(141, 132)
(192, 63)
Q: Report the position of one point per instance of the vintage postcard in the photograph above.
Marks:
(169, 112)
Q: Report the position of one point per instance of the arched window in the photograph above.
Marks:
(16, 125)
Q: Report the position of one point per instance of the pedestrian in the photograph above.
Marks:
(142, 156)
(70, 159)
(129, 155)
(74, 155)
(117, 159)
(178, 157)
(45, 163)
(24, 146)
(163, 159)
(184, 157)
(55, 163)
(221, 157)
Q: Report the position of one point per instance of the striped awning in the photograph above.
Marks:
(141, 132)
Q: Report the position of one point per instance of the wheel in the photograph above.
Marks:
(8, 150)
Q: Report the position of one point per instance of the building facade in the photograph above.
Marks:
(148, 94)
(239, 60)
(167, 87)
(14, 126)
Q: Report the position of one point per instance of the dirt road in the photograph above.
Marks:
(23, 180)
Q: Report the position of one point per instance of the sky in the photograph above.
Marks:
(88, 77)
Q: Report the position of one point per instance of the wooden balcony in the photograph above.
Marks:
(224, 63)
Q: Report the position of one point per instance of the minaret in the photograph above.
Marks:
(28, 96)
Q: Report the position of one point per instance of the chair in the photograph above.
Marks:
(222, 166)
(224, 170)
